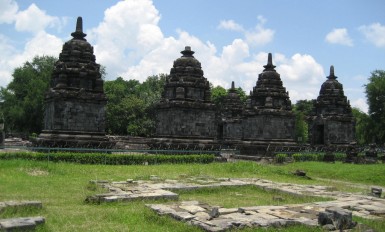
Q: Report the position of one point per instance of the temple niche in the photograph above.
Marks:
(268, 115)
(332, 121)
(185, 109)
(75, 102)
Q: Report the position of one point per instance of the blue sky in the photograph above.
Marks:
(231, 38)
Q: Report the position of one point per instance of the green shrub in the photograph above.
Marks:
(110, 159)
(280, 158)
(298, 157)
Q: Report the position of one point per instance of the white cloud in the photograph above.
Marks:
(361, 104)
(6, 51)
(34, 20)
(42, 44)
(230, 25)
(260, 35)
(134, 47)
(8, 10)
(257, 36)
(339, 36)
(129, 30)
(10, 58)
(375, 33)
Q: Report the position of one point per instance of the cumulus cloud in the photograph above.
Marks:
(339, 36)
(374, 33)
(257, 36)
(260, 35)
(361, 104)
(230, 25)
(34, 20)
(8, 10)
(134, 47)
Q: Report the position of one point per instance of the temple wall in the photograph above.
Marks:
(75, 115)
(232, 130)
(340, 132)
(183, 122)
(268, 127)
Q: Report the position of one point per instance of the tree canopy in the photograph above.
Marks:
(375, 94)
(130, 107)
(22, 100)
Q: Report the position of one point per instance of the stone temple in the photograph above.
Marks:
(185, 109)
(230, 116)
(75, 102)
(268, 115)
(332, 122)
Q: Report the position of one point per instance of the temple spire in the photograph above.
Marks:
(187, 52)
(78, 34)
(331, 75)
(269, 66)
(232, 85)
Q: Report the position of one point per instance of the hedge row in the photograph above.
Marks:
(298, 157)
(111, 159)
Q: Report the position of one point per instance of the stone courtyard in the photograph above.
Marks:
(217, 218)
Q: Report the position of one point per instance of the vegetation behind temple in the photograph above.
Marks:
(130, 108)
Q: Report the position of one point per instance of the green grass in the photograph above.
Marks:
(63, 187)
(234, 197)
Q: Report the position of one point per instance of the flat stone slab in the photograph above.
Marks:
(20, 224)
(16, 204)
(216, 218)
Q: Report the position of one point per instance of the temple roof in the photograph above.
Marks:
(331, 99)
(76, 67)
(269, 92)
(186, 81)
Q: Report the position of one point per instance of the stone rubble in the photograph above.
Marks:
(22, 223)
(216, 218)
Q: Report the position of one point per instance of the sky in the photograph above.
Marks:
(135, 39)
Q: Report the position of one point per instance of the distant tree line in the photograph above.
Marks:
(130, 108)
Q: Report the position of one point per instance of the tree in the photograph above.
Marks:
(364, 127)
(23, 98)
(375, 94)
(217, 94)
(302, 110)
(131, 105)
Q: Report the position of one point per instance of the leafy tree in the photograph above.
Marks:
(130, 108)
(23, 98)
(217, 94)
(364, 127)
(375, 93)
(302, 110)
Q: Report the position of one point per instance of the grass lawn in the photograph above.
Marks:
(62, 187)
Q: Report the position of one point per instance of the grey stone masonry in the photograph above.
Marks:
(20, 204)
(217, 218)
(20, 224)
(332, 121)
(268, 115)
(185, 109)
(23, 223)
(75, 102)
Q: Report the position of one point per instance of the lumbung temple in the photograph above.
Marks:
(186, 118)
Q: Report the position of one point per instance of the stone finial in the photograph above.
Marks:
(187, 52)
(78, 34)
(269, 66)
(331, 75)
(232, 85)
